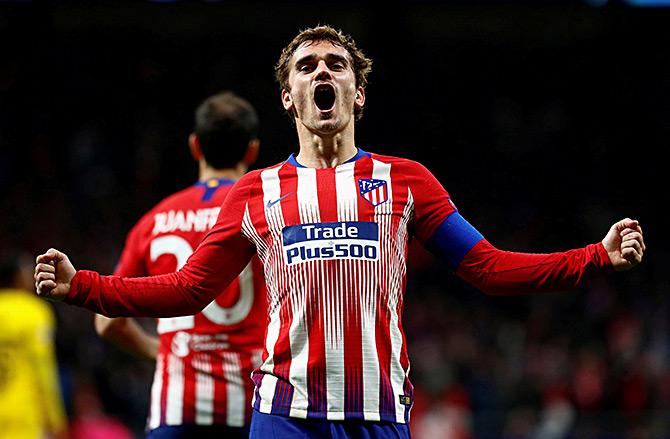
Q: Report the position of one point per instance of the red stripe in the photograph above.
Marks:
(166, 379)
(327, 193)
(282, 358)
(188, 416)
(363, 169)
(247, 368)
(220, 395)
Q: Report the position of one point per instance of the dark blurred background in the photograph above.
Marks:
(546, 121)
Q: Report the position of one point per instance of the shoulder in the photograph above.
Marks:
(253, 178)
(402, 165)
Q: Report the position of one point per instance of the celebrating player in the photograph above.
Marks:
(201, 387)
(331, 226)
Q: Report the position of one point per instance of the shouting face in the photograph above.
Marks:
(323, 93)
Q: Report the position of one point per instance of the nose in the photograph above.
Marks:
(322, 71)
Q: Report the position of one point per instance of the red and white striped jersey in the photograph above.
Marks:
(334, 246)
(205, 360)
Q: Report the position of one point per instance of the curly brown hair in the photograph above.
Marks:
(361, 64)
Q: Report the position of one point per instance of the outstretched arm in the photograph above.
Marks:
(208, 271)
(501, 272)
(444, 231)
(216, 262)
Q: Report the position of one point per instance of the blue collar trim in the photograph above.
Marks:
(359, 155)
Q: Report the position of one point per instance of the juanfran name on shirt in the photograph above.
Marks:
(185, 220)
(336, 240)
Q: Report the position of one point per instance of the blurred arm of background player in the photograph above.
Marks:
(127, 334)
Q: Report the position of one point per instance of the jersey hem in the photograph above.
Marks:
(331, 415)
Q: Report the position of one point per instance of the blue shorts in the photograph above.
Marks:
(217, 431)
(264, 426)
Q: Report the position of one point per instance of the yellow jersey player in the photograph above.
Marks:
(30, 399)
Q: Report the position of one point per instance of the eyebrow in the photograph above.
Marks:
(329, 58)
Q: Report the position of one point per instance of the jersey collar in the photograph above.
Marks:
(211, 185)
(215, 182)
(359, 155)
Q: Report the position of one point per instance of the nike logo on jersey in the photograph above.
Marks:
(273, 202)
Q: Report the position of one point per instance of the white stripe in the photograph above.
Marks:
(267, 389)
(347, 192)
(249, 231)
(308, 199)
(334, 345)
(156, 391)
(267, 393)
(175, 391)
(299, 343)
(204, 391)
(369, 356)
(232, 371)
(271, 188)
(397, 372)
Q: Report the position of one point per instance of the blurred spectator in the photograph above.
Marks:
(89, 418)
(30, 398)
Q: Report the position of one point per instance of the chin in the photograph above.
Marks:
(328, 127)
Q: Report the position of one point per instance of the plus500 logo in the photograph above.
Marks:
(340, 240)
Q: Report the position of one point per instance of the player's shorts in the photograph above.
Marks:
(198, 431)
(264, 426)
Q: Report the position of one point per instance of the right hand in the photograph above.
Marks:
(53, 274)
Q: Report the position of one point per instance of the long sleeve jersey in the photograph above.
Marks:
(334, 246)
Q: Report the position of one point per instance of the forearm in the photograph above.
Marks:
(507, 273)
(168, 295)
(128, 335)
(206, 274)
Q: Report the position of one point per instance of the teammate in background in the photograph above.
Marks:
(31, 406)
(331, 226)
(201, 386)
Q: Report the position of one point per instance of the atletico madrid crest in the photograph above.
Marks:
(373, 190)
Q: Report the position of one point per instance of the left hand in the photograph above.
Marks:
(624, 244)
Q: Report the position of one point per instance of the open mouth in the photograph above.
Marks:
(324, 97)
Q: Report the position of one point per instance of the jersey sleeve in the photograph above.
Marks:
(432, 203)
(216, 262)
(499, 272)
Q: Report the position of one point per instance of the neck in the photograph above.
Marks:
(206, 172)
(325, 151)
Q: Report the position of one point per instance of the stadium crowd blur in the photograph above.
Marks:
(541, 119)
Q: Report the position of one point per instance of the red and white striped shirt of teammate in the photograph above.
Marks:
(203, 361)
(331, 226)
